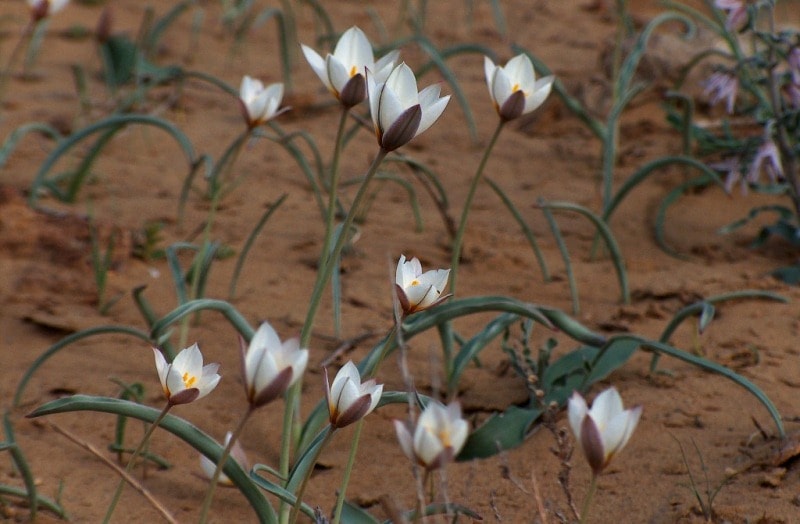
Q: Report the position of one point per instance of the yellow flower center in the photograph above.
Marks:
(515, 88)
(353, 71)
(414, 282)
(189, 380)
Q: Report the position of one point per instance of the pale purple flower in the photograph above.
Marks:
(767, 159)
(793, 58)
(732, 167)
(722, 86)
(736, 11)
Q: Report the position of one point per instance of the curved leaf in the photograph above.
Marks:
(182, 429)
(66, 341)
(111, 124)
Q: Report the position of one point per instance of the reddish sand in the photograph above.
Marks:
(48, 290)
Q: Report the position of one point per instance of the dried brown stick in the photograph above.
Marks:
(121, 472)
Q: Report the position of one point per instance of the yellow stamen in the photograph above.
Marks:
(353, 71)
(189, 380)
(515, 88)
(414, 283)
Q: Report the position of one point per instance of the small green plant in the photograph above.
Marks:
(705, 493)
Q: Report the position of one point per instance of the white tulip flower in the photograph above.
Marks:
(417, 290)
(186, 379)
(514, 88)
(437, 438)
(344, 72)
(44, 8)
(237, 452)
(399, 112)
(270, 366)
(603, 430)
(258, 103)
(350, 400)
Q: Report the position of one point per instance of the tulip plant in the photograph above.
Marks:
(273, 369)
(601, 431)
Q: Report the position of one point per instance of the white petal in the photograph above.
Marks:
(374, 92)
(385, 65)
(501, 86)
(208, 381)
(576, 412)
(161, 367)
(605, 407)
(431, 114)
(399, 275)
(427, 445)
(338, 74)
(274, 95)
(175, 382)
(405, 439)
(520, 71)
(390, 108)
(489, 72)
(354, 50)
(436, 278)
(403, 84)
(189, 361)
(539, 95)
(317, 63)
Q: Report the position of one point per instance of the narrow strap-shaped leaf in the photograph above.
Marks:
(182, 429)
(70, 339)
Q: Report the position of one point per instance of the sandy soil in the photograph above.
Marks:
(47, 290)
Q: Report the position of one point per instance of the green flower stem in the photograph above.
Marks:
(26, 36)
(323, 275)
(462, 226)
(216, 188)
(327, 262)
(334, 184)
(337, 515)
(588, 500)
(302, 489)
(221, 463)
(132, 462)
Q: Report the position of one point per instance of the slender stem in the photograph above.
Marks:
(27, 35)
(216, 189)
(348, 469)
(588, 500)
(302, 489)
(787, 154)
(323, 275)
(221, 464)
(462, 226)
(334, 184)
(132, 462)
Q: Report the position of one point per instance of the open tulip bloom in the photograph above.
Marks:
(417, 290)
(399, 112)
(270, 366)
(44, 8)
(186, 379)
(603, 430)
(258, 103)
(437, 438)
(344, 72)
(514, 88)
(350, 400)
(237, 452)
